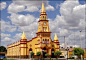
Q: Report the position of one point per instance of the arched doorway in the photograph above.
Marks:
(44, 52)
(52, 52)
(30, 50)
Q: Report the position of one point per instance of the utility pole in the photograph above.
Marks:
(81, 42)
(64, 42)
(80, 38)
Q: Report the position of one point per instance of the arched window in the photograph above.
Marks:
(43, 17)
(43, 40)
(48, 41)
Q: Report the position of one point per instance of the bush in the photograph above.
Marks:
(70, 57)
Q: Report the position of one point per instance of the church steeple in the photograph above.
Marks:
(55, 37)
(23, 36)
(43, 8)
(43, 25)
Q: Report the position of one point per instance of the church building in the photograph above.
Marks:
(42, 42)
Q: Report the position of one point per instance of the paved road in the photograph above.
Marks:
(40, 59)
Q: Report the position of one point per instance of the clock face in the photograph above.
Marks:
(44, 23)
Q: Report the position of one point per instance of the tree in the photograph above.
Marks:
(57, 53)
(3, 49)
(32, 53)
(38, 54)
(78, 52)
(47, 55)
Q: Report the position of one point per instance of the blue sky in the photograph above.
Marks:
(64, 17)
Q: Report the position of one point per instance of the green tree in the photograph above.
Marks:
(32, 53)
(3, 49)
(38, 54)
(47, 55)
(57, 53)
(78, 52)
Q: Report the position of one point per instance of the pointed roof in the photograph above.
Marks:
(55, 37)
(43, 8)
(23, 36)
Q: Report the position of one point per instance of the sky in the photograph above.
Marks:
(66, 18)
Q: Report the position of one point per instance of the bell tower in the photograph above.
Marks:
(44, 33)
(43, 25)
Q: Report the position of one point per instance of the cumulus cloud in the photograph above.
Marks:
(49, 7)
(21, 20)
(2, 5)
(30, 6)
(72, 19)
(6, 26)
(14, 8)
(3, 35)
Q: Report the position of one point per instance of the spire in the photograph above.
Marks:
(55, 37)
(43, 9)
(23, 36)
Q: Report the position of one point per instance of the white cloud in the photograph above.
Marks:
(2, 5)
(71, 18)
(14, 8)
(6, 26)
(17, 36)
(30, 6)
(5, 35)
(21, 20)
(29, 28)
(6, 39)
(49, 7)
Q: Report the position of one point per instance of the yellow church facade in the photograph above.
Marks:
(42, 42)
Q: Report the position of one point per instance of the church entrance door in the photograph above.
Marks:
(52, 55)
(52, 52)
(44, 54)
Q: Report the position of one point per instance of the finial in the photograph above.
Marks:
(55, 37)
(23, 36)
(43, 8)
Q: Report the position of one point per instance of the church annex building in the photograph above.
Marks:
(42, 42)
